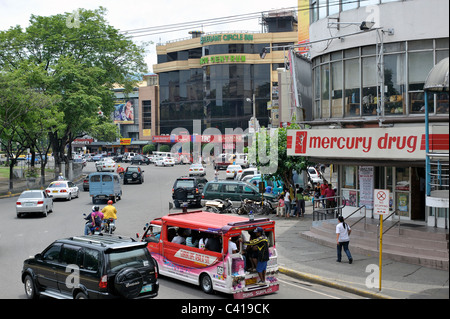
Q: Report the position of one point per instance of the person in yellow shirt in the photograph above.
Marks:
(110, 212)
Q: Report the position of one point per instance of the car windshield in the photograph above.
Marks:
(185, 183)
(197, 165)
(129, 258)
(132, 169)
(31, 195)
(57, 184)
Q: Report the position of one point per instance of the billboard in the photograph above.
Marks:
(124, 111)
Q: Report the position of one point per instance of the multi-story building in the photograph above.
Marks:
(220, 78)
(370, 61)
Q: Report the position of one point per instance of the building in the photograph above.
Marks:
(369, 67)
(220, 78)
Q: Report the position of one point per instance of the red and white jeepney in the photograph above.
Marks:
(222, 270)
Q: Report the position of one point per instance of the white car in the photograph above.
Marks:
(231, 169)
(314, 176)
(159, 161)
(169, 161)
(34, 201)
(197, 169)
(105, 164)
(63, 189)
(248, 171)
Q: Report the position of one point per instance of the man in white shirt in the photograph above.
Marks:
(342, 239)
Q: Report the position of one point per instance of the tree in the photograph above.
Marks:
(269, 153)
(78, 67)
(147, 149)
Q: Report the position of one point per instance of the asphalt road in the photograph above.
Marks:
(27, 236)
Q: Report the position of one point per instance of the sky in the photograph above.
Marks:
(134, 14)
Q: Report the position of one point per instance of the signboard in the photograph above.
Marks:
(124, 111)
(125, 141)
(226, 37)
(381, 201)
(406, 143)
(366, 181)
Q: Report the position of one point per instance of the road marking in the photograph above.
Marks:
(320, 293)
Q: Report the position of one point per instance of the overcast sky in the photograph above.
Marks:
(133, 14)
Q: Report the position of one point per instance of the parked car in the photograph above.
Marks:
(140, 159)
(314, 176)
(118, 158)
(133, 174)
(62, 189)
(233, 170)
(188, 190)
(105, 165)
(236, 191)
(34, 201)
(128, 156)
(106, 266)
(197, 169)
(104, 186)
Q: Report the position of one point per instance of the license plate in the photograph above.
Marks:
(146, 288)
(190, 196)
(54, 191)
(250, 281)
(195, 170)
(29, 204)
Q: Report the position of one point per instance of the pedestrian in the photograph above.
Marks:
(330, 197)
(280, 207)
(216, 175)
(287, 203)
(323, 188)
(300, 208)
(343, 239)
(316, 195)
(261, 246)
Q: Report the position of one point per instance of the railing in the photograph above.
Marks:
(438, 176)
(393, 225)
(363, 217)
(323, 213)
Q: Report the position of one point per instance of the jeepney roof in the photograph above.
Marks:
(212, 222)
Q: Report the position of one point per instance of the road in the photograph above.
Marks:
(27, 236)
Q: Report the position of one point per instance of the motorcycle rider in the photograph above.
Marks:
(110, 212)
(94, 219)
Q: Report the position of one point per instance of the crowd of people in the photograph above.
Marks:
(291, 202)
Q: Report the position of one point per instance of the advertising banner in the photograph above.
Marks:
(124, 111)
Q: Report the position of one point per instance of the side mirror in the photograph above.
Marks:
(38, 257)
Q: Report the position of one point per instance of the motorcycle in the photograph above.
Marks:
(257, 207)
(109, 225)
(220, 206)
(93, 230)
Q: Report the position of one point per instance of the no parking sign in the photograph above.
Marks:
(381, 201)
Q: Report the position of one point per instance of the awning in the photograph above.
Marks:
(437, 79)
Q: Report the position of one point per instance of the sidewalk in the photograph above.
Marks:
(313, 262)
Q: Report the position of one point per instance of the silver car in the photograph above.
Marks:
(34, 201)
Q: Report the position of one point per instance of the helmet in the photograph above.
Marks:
(118, 165)
(95, 208)
(110, 202)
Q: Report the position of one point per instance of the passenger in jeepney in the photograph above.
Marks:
(180, 237)
(214, 243)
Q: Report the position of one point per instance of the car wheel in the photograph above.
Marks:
(81, 295)
(70, 197)
(45, 212)
(206, 283)
(30, 288)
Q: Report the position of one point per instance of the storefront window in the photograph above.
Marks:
(352, 85)
(350, 191)
(394, 81)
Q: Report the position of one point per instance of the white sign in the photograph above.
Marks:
(381, 201)
(366, 186)
(377, 143)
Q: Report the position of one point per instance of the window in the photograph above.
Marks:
(419, 65)
(230, 188)
(52, 254)
(394, 80)
(69, 255)
(325, 91)
(336, 89)
(90, 260)
(106, 178)
(369, 76)
(352, 85)
(95, 179)
(147, 114)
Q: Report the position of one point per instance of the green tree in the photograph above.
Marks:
(269, 153)
(147, 149)
(79, 65)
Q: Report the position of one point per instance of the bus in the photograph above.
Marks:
(220, 270)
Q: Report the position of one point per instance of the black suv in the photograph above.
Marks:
(140, 159)
(97, 266)
(133, 174)
(188, 190)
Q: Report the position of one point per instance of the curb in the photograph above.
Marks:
(321, 281)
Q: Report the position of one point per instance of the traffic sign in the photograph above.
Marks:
(381, 201)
